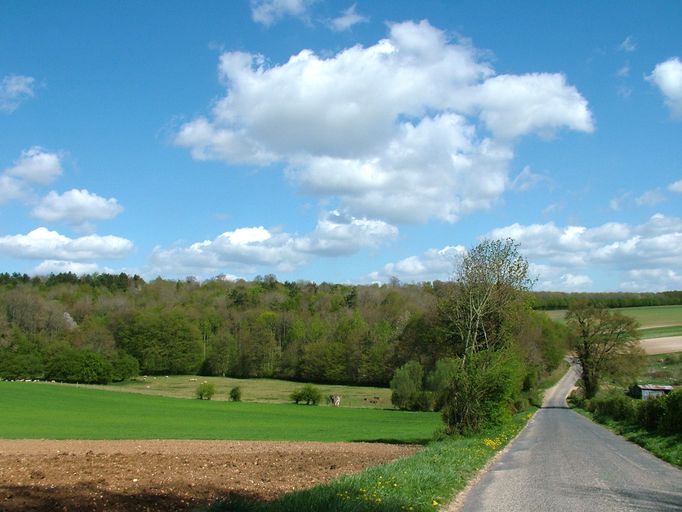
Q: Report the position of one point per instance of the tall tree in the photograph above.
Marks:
(605, 343)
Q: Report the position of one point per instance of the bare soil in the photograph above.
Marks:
(40, 475)
(662, 345)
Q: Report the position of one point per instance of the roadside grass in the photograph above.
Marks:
(555, 376)
(647, 316)
(253, 390)
(422, 482)
(52, 411)
(663, 369)
(665, 447)
(661, 332)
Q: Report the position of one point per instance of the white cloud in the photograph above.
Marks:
(247, 249)
(58, 266)
(42, 243)
(616, 203)
(628, 45)
(76, 207)
(268, 12)
(10, 189)
(624, 70)
(37, 166)
(650, 198)
(434, 264)
(527, 180)
(675, 187)
(577, 281)
(648, 280)
(667, 76)
(347, 19)
(14, 89)
(406, 143)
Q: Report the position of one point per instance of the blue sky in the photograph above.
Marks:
(342, 141)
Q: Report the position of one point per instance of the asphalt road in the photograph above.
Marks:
(564, 462)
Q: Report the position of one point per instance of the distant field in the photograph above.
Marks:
(648, 317)
(253, 390)
(49, 411)
(663, 369)
(661, 332)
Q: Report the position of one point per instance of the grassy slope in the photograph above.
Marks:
(661, 332)
(422, 482)
(37, 410)
(253, 390)
(646, 316)
(663, 369)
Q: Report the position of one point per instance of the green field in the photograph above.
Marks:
(51, 411)
(661, 332)
(648, 317)
(663, 369)
(253, 390)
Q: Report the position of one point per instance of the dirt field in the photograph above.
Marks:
(662, 345)
(43, 476)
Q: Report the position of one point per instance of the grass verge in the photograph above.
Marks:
(665, 447)
(419, 483)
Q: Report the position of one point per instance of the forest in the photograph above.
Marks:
(101, 328)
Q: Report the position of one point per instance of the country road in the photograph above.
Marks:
(564, 462)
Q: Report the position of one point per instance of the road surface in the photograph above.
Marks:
(564, 462)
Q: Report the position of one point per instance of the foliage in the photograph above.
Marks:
(84, 366)
(308, 394)
(605, 343)
(614, 404)
(48, 411)
(205, 390)
(236, 394)
(421, 483)
(483, 392)
(406, 387)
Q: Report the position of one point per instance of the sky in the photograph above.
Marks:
(348, 142)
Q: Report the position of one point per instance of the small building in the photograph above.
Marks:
(646, 391)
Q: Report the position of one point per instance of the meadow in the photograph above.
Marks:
(663, 369)
(649, 317)
(52, 411)
(273, 391)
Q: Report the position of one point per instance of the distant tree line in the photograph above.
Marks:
(562, 300)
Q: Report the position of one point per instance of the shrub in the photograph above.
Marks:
(671, 420)
(649, 413)
(406, 385)
(308, 394)
(615, 405)
(205, 391)
(124, 366)
(236, 394)
(483, 392)
(82, 366)
(440, 379)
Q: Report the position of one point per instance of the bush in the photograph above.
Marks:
(205, 391)
(671, 420)
(649, 413)
(236, 394)
(308, 394)
(124, 366)
(440, 379)
(406, 385)
(79, 366)
(614, 405)
(483, 392)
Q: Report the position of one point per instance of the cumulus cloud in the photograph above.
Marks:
(267, 12)
(577, 281)
(59, 266)
(37, 166)
(14, 90)
(347, 19)
(675, 187)
(11, 189)
(76, 207)
(667, 76)
(648, 280)
(44, 244)
(432, 265)
(246, 249)
(428, 131)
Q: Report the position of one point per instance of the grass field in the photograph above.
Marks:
(648, 317)
(663, 369)
(49, 411)
(661, 332)
(253, 390)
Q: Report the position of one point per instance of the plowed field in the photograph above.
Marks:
(148, 475)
